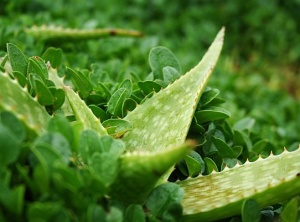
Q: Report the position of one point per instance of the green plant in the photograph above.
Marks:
(72, 166)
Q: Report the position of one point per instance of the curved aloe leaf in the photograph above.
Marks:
(16, 99)
(140, 171)
(219, 195)
(59, 33)
(164, 119)
(76, 105)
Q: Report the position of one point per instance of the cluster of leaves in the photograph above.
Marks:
(64, 152)
(119, 81)
(65, 171)
(46, 178)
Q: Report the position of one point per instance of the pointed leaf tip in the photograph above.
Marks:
(164, 119)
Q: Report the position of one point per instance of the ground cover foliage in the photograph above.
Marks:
(246, 111)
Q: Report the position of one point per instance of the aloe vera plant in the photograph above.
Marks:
(127, 158)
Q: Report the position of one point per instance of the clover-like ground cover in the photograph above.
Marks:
(88, 171)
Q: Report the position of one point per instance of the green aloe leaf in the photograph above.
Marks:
(164, 119)
(52, 33)
(139, 172)
(74, 104)
(27, 109)
(222, 194)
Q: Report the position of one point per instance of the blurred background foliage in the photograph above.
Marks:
(258, 74)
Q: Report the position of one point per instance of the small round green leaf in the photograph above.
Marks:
(10, 147)
(207, 97)
(160, 57)
(57, 143)
(194, 167)
(173, 213)
(95, 213)
(81, 81)
(211, 114)
(117, 127)
(115, 104)
(149, 87)
(170, 74)
(105, 165)
(21, 78)
(13, 124)
(210, 165)
(36, 65)
(59, 97)
(162, 197)
(251, 211)
(99, 113)
(134, 213)
(61, 125)
(18, 60)
(290, 211)
(43, 94)
(224, 150)
(53, 55)
(129, 105)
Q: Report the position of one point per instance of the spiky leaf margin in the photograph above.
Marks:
(221, 194)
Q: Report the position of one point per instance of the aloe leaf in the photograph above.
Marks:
(164, 119)
(140, 171)
(67, 34)
(83, 113)
(219, 195)
(74, 104)
(17, 100)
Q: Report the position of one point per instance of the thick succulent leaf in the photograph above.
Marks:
(83, 113)
(219, 195)
(140, 171)
(67, 34)
(22, 105)
(164, 119)
(74, 104)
